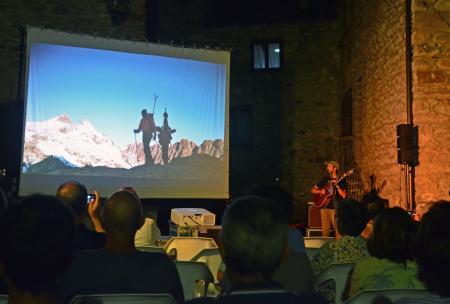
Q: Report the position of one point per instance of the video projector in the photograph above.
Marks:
(192, 217)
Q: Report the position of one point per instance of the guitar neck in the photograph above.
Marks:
(348, 173)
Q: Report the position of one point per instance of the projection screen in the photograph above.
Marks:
(112, 113)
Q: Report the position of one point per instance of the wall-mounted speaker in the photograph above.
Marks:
(408, 144)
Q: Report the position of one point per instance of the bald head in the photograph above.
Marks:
(73, 194)
(123, 213)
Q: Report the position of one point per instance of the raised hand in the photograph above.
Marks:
(94, 211)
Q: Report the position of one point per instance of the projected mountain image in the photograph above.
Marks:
(60, 146)
(110, 113)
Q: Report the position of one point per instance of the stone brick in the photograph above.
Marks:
(422, 63)
(442, 5)
(429, 21)
(430, 77)
(422, 5)
(428, 47)
(420, 35)
(443, 63)
(442, 38)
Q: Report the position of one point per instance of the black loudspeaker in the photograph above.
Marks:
(11, 134)
(408, 144)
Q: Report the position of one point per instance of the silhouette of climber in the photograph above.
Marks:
(148, 128)
(165, 136)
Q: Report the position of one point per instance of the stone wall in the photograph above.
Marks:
(431, 91)
(374, 69)
(80, 16)
(295, 109)
(311, 113)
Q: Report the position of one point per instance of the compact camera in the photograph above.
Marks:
(90, 197)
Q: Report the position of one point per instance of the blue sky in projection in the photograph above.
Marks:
(110, 89)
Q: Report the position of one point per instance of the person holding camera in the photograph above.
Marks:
(75, 195)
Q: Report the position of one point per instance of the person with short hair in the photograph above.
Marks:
(433, 255)
(285, 200)
(391, 262)
(36, 237)
(120, 268)
(351, 220)
(254, 237)
(433, 250)
(74, 194)
(149, 233)
(294, 272)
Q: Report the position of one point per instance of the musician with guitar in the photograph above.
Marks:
(328, 192)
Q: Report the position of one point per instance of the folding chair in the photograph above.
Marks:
(188, 247)
(3, 299)
(211, 257)
(337, 273)
(368, 296)
(151, 249)
(189, 273)
(131, 298)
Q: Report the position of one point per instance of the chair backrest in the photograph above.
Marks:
(211, 257)
(368, 296)
(316, 242)
(3, 299)
(151, 249)
(189, 272)
(188, 247)
(312, 244)
(337, 273)
(124, 298)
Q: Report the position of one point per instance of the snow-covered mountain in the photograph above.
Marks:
(77, 145)
(80, 145)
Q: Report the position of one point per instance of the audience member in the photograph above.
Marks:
(120, 268)
(254, 236)
(351, 220)
(294, 273)
(149, 233)
(391, 247)
(433, 255)
(374, 205)
(36, 248)
(284, 199)
(74, 194)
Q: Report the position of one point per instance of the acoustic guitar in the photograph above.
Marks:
(322, 200)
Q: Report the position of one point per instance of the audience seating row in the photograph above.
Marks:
(386, 296)
(196, 258)
(124, 298)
